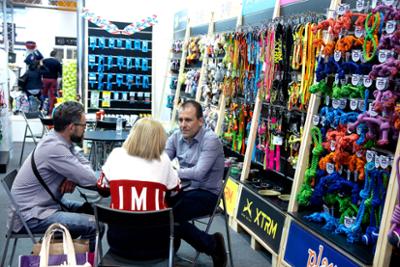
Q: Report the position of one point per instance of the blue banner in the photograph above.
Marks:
(251, 6)
(305, 249)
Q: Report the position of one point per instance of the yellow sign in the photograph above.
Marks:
(105, 103)
(231, 194)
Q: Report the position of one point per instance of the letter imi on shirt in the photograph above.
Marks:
(137, 195)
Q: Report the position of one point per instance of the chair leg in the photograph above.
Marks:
(5, 249)
(228, 235)
(13, 251)
(23, 147)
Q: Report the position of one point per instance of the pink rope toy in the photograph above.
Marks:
(388, 69)
(394, 232)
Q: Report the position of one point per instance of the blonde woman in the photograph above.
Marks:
(138, 175)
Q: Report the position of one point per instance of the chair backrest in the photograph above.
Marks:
(136, 220)
(32, 116)
(46, 121)
(7, 183)
(146, 232)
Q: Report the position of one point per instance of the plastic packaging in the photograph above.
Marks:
(119, 125)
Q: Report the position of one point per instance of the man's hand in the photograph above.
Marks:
(175, 164)
(67, 187)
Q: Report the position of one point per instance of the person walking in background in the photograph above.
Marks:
(54, 71)
(33, 84)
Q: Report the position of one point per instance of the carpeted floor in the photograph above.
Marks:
(243, 255)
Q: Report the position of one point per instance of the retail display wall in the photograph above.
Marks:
(301, 110)
(119, 71)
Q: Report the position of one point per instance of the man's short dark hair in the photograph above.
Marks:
(67, 113)
(53, 53)
(196, 105)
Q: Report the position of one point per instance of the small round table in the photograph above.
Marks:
(103, 143)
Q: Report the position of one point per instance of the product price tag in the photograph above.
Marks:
(355, 79)
(348, 173)
(358, 32)
(359, 153)
(359, 130)
(335, 103)
(377, 162)
(371, 110)
(336, 78)
(337, 55)
(325, 208)
(330, 168)
(315, 120)
(344, 81)
(361, 105)
(353, 104)
(356, 55)
(359, 5)
(327, 100)
(349, 221)
(367, 81)
(381, 83)
(390, 26)
(383, 161)
(277, 140)
(264, 67)
(323, 120)
(125, 96)
(332, 145)
(116, 95)
(382, 55)
(370, 156)
(343, 8)
(388, 2)
(355, 176)
(343, 103)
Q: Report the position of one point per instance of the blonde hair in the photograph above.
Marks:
(146, 140)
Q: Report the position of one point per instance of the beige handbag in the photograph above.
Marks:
(67, 245)
(56, 246)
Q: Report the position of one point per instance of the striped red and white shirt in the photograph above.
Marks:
(137, 184)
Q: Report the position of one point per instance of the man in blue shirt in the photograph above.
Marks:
(201, 160)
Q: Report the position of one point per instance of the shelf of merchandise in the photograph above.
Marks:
(125, 96)
(180, 75)
(354, 254)
(264, 239)
(204, 62)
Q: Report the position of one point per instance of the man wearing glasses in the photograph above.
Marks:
(61, 167)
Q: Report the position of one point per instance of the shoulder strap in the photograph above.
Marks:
(43, 183)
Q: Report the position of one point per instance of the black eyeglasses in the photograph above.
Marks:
(80, 124)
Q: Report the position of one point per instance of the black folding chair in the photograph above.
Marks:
(29, 117)
(217, 210)
(210, 218)
(7, 183)
(156, 227)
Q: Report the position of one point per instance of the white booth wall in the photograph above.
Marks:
(43, 25)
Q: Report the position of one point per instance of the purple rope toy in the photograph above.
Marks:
(394, 232)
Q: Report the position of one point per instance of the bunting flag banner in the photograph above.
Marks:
(113, 29)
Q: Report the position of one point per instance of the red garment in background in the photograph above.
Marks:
(49, 90)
